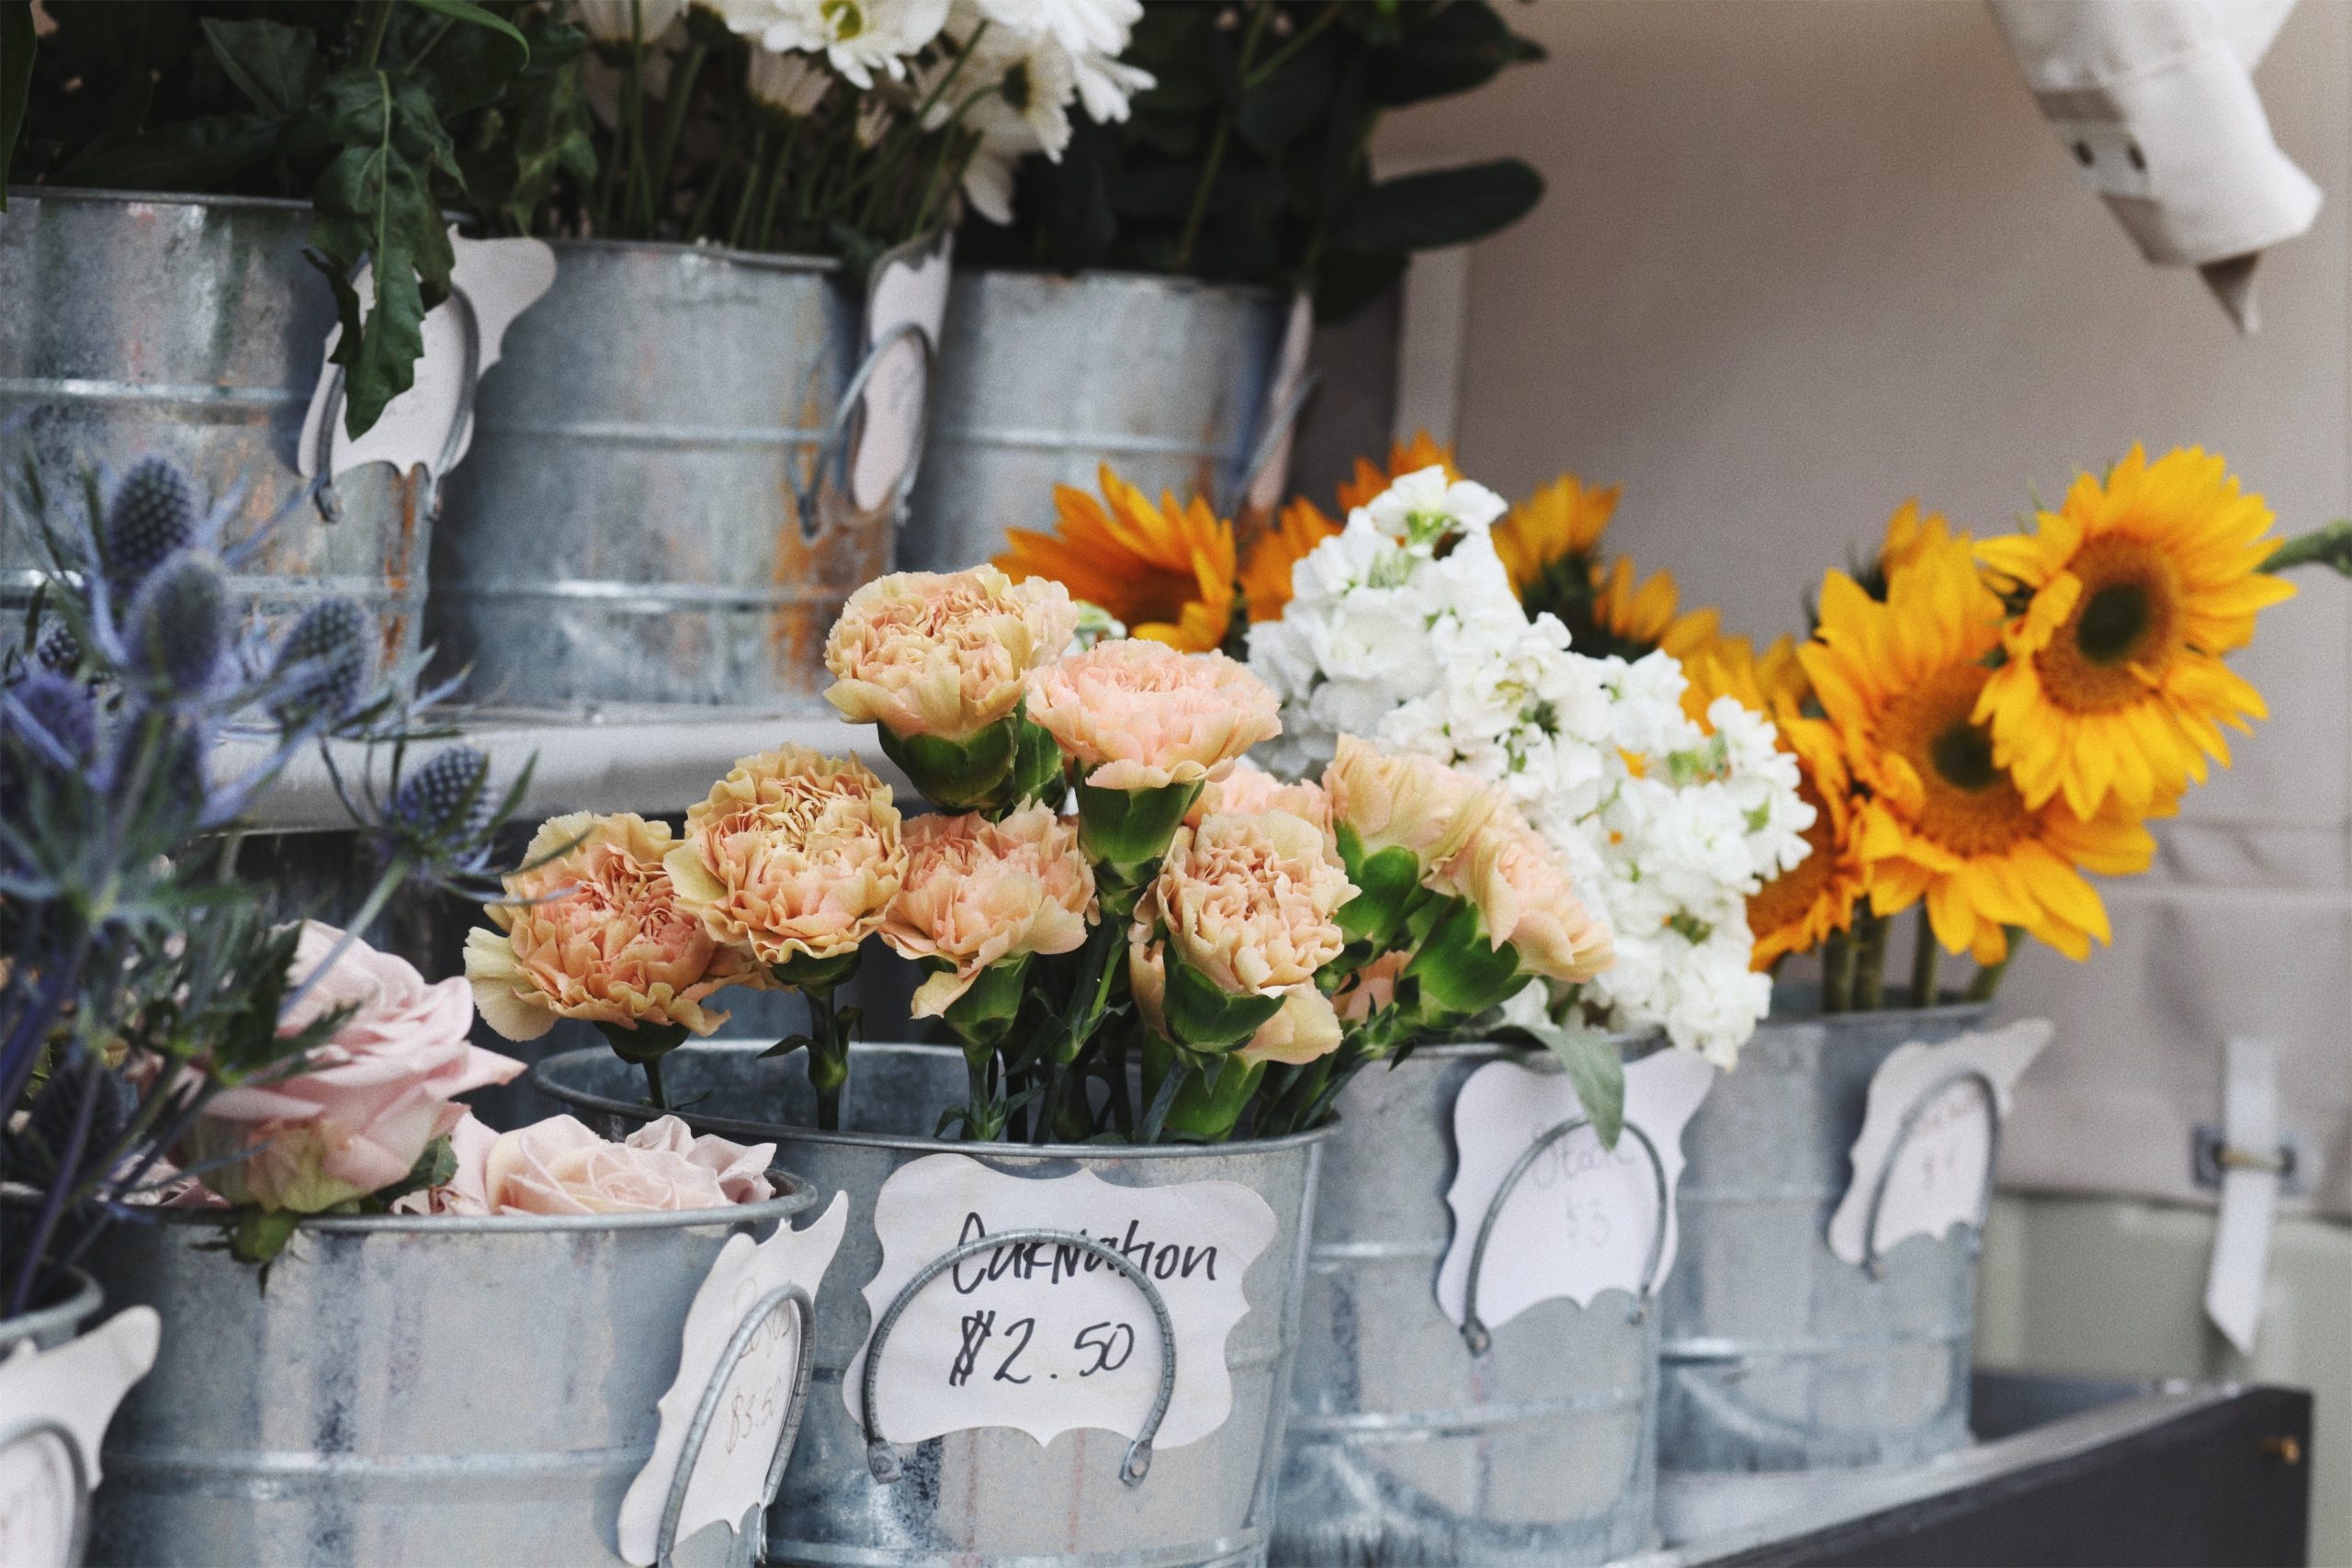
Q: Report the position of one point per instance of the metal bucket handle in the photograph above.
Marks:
(460, 420)
(1873, 1263)
(882, 1457)
(1473, 1329)
(834, 449)
(805, 1312)
(77, 1534)
(1277, 430)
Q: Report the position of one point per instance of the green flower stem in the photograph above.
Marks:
(653, 1089)
(379, 18)
(1838, 972)
(1926, 955)
(755, 179)
(674, 121)
(827, 1056)
(1869, 961)
(1212, 165)
(1988, 976)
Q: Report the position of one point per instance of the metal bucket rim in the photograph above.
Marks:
(158, 198)
(545, 1082)
(768, 261)
(1458, 1050)
(82, 1303)
(1170, 282)
(1942, 1012)
(800, 1194)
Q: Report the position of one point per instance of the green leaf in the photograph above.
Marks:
(17, 45)
(1461, 972)
(262, 1234)
(1131, 827)
(1445, 51)
(1439, 207)
(466, 12)
(1388, 884)
(1596, 1071)
(194, 155)
(1203, 1018)
(275, 66)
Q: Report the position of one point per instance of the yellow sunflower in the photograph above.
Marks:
(1632, 619)
(2131, 593)
(1404, 458)
(1772, 683)
(1557, 531)
(1266, 573)
(1166, 570)
(1942, 821)
(1800, 909)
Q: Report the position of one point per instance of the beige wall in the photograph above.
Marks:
(1801, 258)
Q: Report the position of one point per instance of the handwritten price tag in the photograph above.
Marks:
(731, 1473)
(1048, 1336)
(1935, 1175)
(48, 1400)
(1582, 1218)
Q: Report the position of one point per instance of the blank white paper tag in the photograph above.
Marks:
(1049, 1337)
(730, 1472)
(910, 286)
(1581, 1219)
(75, 1387)
(1941, 1172)
(2249, 1196)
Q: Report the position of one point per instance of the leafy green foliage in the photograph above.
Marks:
(1250, 162)
(357, 105)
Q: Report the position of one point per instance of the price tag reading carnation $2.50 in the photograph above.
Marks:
(1049, 1336)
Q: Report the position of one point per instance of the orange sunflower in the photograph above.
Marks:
(2131, 593)
(1297, 528)
(1943, 822)
(1166, 570)
(1404, 458)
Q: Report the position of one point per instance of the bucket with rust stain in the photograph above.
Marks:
(669, 496)
(1178, 385)
(191, 327)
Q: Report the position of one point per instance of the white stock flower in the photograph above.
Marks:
(1422, 508)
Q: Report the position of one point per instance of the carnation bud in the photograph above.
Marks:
(449, 798)
(179, 623)
(323, 662)
(152, 516)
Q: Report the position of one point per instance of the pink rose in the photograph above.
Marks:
(793, 854)
(1140, 716)
(943, 654)
(1521, 892)
(597, 934)
(366, 1102)
(978, 893)
(559, 1167)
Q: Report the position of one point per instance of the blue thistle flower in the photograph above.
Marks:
(152, 517)
(56, 648)
(324, 663)
(179, 624)
(445, 802)
(68, 720)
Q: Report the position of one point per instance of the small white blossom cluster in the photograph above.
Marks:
(1404, 629)
(1009, 69)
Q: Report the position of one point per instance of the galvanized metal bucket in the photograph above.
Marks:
(993, 1495)
(191, 326)
(1408, 1447)
(1178, 384)
(408, 1390)
(1779, 1355)
(657, 508)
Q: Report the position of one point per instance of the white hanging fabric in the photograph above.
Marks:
(2155, 101)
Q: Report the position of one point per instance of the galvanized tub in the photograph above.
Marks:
(1178, 384)
(993, 1495)
(404, 1389)
(1405, 1446)
(191, 326)
(656, 508)
(1779, 1356)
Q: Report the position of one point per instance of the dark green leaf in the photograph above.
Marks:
(474, 15)
(193, 155)
(1440, 206)
(274, 67)
(1450, 49)
(17, 45)
(1348, 280)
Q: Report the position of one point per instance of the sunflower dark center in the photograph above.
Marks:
(1963, 755)
(2112, 622)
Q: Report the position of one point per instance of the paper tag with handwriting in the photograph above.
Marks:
(730, 1474)
(54, 1406)
(1938, 1170)
(1581, 1219)
(1049, 1337)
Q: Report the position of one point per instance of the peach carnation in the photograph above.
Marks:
(1372, 987)
(1520, 888)
(1407, 801)
(943, 654)
(1249, 901)
(1250, 789)
(1141, 716)
(793, 854)
(597, 934)
(977, 892)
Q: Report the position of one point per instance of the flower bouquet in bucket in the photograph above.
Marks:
(240, 1125)
(1145, 956)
